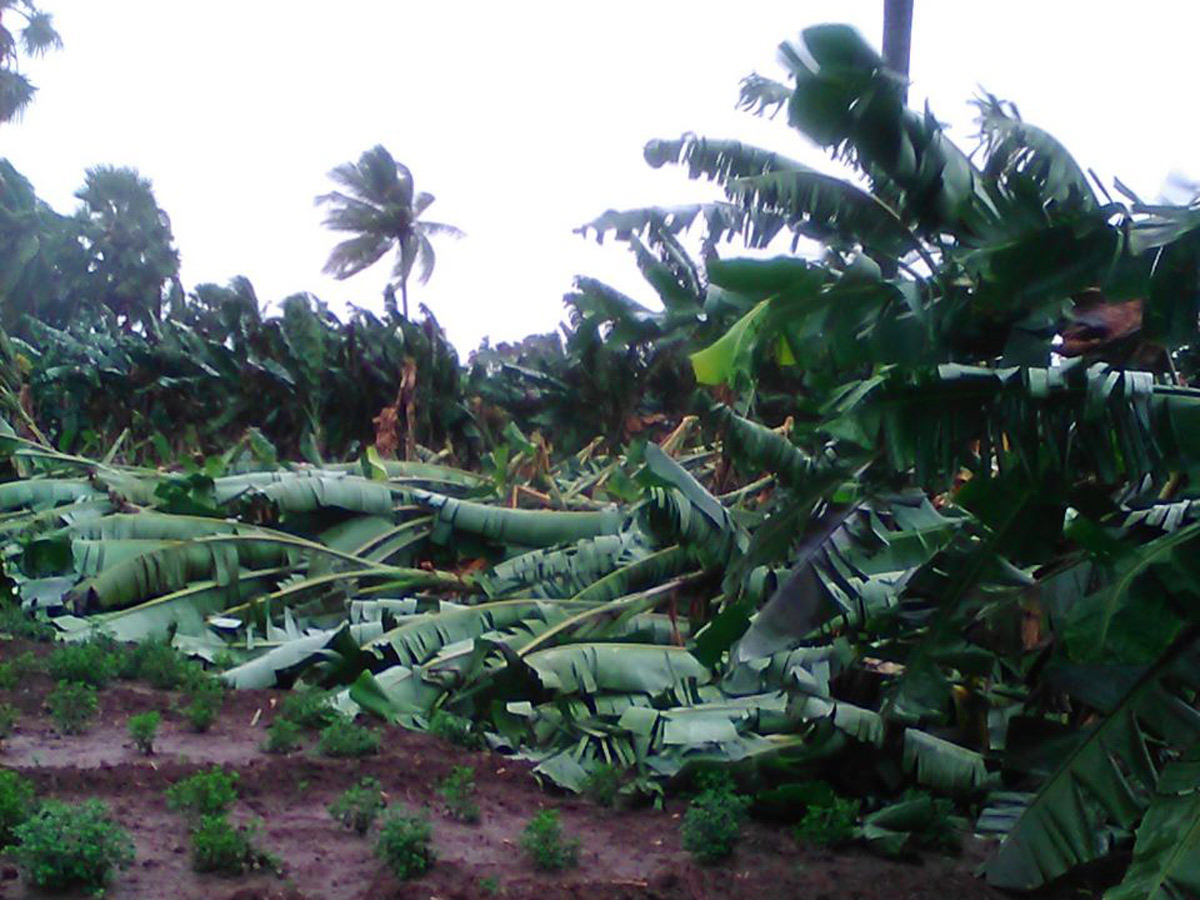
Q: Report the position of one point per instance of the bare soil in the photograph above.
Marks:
(625, 854)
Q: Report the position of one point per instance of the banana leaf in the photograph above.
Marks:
(308, 490)
(616, 668)
(186, 611)
(1107, 774)
(516, 527)
(943, 765)
(652, 569)
(567, 571)
(1166, 856)
(171, 567)
(279, 666)
(40, 494)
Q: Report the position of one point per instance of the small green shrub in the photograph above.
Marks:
(9, 677)
(14, 671)
(457, 791)
(405, 845)
(546, 845)
(283, 736)
(359, 806)
(490, 885)
(204, 794)
(455, 729)
(64, 846)
(144, 729)
(828, 823)
(345, 740)
(16, 804)
(18, 623)
(72, 705)
(157, 663)
(309, 709)
(218, 846)
(712, 824)
(8, 719)
(602, 784)
(205, 696)
(201, 714)
(89, 662)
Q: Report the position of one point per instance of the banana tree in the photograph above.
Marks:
(930, 329)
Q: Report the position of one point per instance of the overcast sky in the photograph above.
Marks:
(527, 119)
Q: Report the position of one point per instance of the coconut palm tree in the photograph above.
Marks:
(380, 207)
(36, 36)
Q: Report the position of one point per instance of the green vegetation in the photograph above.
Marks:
(64, 846)
(205, 695)
(713, 822)
(283, 736)
(201, 713)
(458, 730)
(829, 824)
(344, 739)
(218, 846)
(358, 807)
(546, 845)
(143, 729)
(915, 822)
(17, 804)
(876, 503)
(204, 794)
(159, 664)
(457, 791)
(73, 706)
(9, 715)
(15, 622)
(90, 662)
(13, 671)
(405, 845)
(309, 709)
(603, 784)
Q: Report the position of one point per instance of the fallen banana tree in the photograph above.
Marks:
(576, 637)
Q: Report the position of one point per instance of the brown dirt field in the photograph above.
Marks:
(626, 854)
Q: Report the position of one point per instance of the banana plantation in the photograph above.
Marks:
(903, 510)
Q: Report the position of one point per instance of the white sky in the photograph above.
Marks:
(527, 119)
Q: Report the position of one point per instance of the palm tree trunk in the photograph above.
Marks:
(897, 36)
(404, 296)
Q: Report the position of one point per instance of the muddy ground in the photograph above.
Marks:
(625, 854)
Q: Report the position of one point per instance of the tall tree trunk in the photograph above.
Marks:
(897, 36)
(404, 296)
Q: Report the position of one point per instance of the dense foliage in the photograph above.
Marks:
(916, 513)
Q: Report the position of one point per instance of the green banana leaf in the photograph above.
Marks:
(1166, 857)
(567, 571)
(309, 490)
(40, 494)
(186, 611)
(943, 765)
(1106, 774)
(616, 668)
(517, 527)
